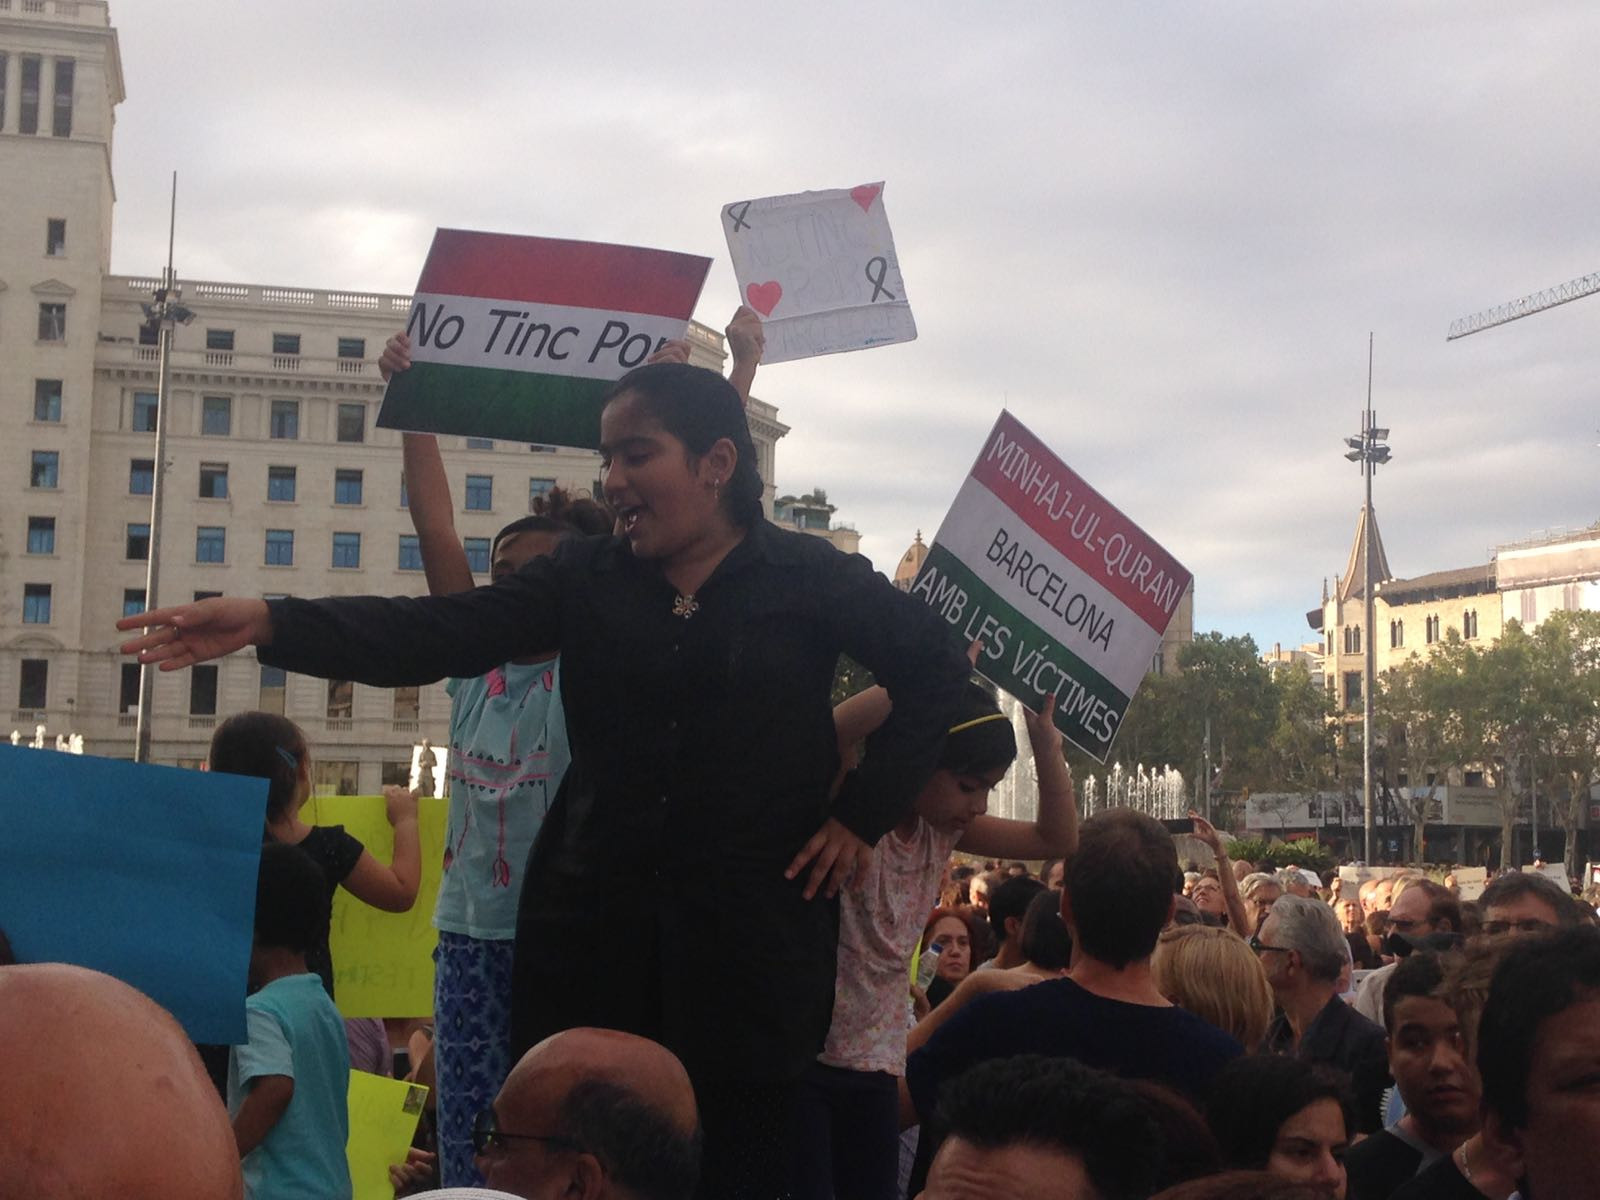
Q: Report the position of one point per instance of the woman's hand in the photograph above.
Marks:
(1207, 833)
(839, 855)
(396, 356)
(399, 804)
(1043, 736)
(919, 1003)
(186, 634)
(675, 351)
(746, 337)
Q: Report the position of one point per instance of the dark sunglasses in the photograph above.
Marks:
(487, 1135)
(1258, 946)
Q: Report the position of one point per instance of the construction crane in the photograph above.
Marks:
(1575, 289)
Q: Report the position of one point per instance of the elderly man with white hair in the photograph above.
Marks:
(1304, 952)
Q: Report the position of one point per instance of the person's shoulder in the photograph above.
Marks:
(1202, 1034)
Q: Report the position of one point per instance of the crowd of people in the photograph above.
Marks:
(702, 933)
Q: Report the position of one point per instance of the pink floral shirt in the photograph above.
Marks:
(880, 919)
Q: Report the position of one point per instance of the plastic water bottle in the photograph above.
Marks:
(928, 966)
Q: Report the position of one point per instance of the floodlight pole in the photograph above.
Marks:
(165, 300)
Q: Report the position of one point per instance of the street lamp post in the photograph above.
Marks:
(161, 315)
(1369, 450)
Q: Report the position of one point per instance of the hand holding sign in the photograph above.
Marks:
(821, 268)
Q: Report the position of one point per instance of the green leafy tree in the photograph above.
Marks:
(1565, 684)
(1417, 713)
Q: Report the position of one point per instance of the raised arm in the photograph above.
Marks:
(392, 886)
(444, 560)
(746, 341)
(1054, 832)
(1238, 915)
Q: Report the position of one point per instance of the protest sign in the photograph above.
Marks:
(1068, 596)
(1470, 881)
(145, 873)
(383, 962)
(821, 270)
(518, 337)
(383, 1120)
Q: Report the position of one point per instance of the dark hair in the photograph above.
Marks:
(1420, 973)
(1010, 900)
(1514, 885)
(293, 901)
(1189, 1149)
(8, 956)
(560, 513)
(1119, 885)
(1540, 977)
(967, 917)
(700, 408)
(265, 745)
(1253, 1096)
(1059, 1104)
(1045, 941)
(638, 1145)
(1243, 1185)
(979, 739)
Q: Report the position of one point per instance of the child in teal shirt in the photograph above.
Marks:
(287, 1084)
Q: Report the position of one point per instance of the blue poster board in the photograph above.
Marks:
(146, 873)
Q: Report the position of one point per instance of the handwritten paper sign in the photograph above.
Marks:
(821, 270)
(383, 962)
(1069, 597)
(146, 873)
(383, 1120)
(518, 337)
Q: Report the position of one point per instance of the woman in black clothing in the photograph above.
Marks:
(698, 650)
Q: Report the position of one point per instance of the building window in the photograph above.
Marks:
(286, 343)
(1472, 778)
(1469, 623)
(144, 412)
(199, 596)
(3, 61)
(538, 487)
(36, 604)
(35, 683)
(352, 423)
(1352, 688)
(149, 335)
(137, 545)
(480, 443)
(55, 237)
(1430, 630)
(219, 339)
(280, 484)
(405, 493)
(347, 487)
(336, 778)
(47, 400)
(44, 469)
(396, 773)
(480, 493)
(41, 535)
(1397, 634)
(410, 553)
(274, 682)
(407, 703)
(350, 347)
(347, 550)
(341, 700)
(132, 601)
(216, 416)
(28, 111)
(285, 420)
(203, 690)
(280, 548)
(141, 476)
(128, 689)
(213, 481)
(61, 121)
(477, 554)
(52, 321)
(210, 544)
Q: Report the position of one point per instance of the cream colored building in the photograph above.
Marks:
(813, 514)
(278, 480)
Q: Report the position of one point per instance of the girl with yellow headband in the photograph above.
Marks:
(848, 1137)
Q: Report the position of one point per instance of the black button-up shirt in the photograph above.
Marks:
(702, 753)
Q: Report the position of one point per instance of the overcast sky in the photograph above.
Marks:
(1159, 233)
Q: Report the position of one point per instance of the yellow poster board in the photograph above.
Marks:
(383, 1120)
(383, 962)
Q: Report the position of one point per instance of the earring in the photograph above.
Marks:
(716, 490)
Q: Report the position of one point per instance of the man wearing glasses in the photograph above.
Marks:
(1421, 910)
(1304, 953)
(1523, 902)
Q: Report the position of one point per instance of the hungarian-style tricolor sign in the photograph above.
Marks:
(1067, 595)
(518, 337)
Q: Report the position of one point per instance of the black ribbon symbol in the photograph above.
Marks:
(882, 264)
(737, 212)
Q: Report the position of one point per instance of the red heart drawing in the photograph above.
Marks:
(865, 195)
(764, 297)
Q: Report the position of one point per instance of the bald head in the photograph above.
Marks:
(102, 1095)
(625, 1102)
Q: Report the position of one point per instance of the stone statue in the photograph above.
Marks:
(426, 761)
